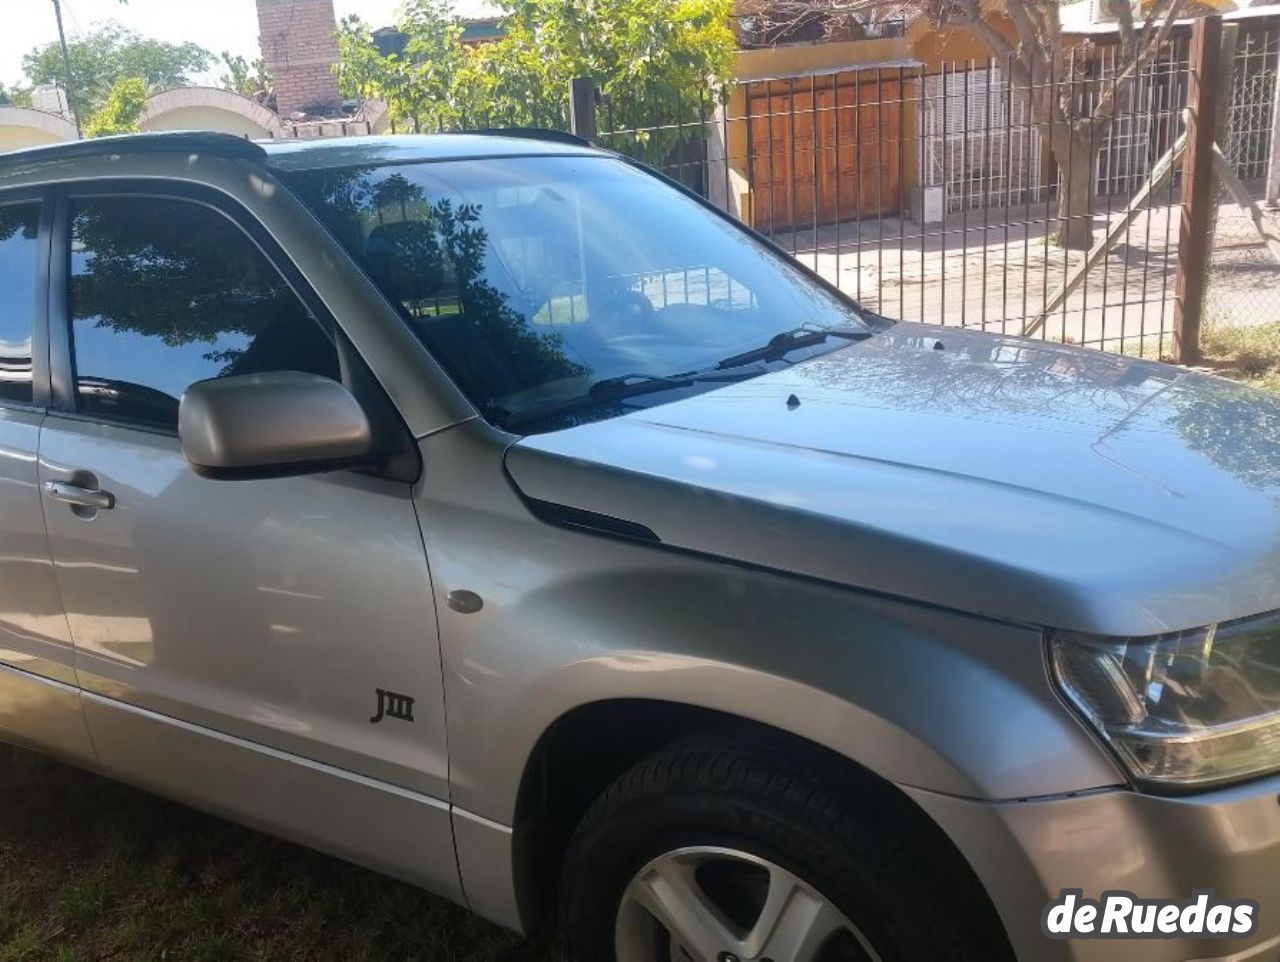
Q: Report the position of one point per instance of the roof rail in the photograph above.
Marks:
(178, 141)
(531, 133)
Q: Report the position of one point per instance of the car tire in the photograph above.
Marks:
(720, 821)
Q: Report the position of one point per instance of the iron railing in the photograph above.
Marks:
(936, 194)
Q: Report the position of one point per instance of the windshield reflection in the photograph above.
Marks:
(1112, 398)
(534, 279)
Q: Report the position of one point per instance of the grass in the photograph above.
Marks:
(92, 870)
(1249, 354)
(1151, 347)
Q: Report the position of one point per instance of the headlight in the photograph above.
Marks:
(1183, 710)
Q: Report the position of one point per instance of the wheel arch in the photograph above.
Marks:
(585, 749)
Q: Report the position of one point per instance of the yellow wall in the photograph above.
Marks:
(206, 118)
(16, 138)
(956, 46)
(23, 127)
(795, 59)
(932, 47)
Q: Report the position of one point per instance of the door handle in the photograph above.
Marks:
(74, 494)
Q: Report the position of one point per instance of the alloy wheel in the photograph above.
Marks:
(710, 904)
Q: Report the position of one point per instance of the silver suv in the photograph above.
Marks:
(490, 512)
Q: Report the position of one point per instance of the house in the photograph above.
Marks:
(832, 122)
(482, 22)
(300, 49)
(1149, 115)
(27, 127)
(875, 118)
(793, 96)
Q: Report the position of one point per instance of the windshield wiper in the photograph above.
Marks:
(612, 389)
(602, 392)
(781, 344)
(629, 385)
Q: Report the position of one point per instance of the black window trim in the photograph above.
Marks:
(40, 363)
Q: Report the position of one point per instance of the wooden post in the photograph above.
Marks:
(1198, 187)
(582, 107)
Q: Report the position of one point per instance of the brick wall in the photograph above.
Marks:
(300, 49)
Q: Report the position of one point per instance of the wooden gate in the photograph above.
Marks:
(825, 155)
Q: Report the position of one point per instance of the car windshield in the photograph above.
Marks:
(538, 281)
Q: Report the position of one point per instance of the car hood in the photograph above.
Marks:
(1011, 478)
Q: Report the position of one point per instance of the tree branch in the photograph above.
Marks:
(995, 41)
(1030, 39)
(1172, 10)
(1123, 12)
(1152, 41)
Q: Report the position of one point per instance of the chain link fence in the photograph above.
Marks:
(1244, 277)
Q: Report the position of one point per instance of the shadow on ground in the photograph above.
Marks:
(93, 870)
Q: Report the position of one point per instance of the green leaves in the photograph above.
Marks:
(120, 113)
(659, 63)
(15, 96)
(243, 76)
(109, 54)
(416, 84)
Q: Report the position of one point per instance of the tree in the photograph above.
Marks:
(108, 54)
(249, 78)
(1074, 113)
(120, 113)
(405, 233)
(15, 96)
(418, 84)
(661, 63)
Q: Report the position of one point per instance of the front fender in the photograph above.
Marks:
(923, 697)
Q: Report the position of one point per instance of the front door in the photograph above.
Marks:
(258, 613)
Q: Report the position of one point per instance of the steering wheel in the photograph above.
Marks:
(628, 306)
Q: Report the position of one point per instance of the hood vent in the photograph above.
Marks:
(564, 516)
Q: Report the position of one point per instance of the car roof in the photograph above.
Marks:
(289, 155)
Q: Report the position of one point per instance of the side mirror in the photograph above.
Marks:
(272, 425)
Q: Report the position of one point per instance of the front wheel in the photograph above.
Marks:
(733, 849)
(707, 902)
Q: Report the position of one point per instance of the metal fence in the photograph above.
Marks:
(1243, 286)
(1252, 100)
(934, 194)
(980, 146)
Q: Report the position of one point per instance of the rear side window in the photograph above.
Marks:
(19, 263)
(166, 292)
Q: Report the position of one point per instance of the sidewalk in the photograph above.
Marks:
(994, 269)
